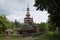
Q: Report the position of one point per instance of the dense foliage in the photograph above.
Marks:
(16, 25)
(48, 36)
(52, 7)
(4, 24)
(43, 26)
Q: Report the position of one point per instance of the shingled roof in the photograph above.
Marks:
(26, 27)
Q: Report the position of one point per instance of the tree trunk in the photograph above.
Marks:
(59, 30)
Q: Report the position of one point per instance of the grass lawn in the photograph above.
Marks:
(11, 38)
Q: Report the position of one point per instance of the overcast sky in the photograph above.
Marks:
(16, 9)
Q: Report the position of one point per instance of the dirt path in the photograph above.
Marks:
(28, 38)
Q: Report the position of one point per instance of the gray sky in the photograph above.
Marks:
(16, 9)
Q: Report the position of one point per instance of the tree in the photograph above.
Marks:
(4, 24)
(17, 24)
(43, 27)
(52, 7)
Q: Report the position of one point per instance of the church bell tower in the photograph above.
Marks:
(27, 19)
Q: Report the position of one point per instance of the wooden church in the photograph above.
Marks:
(29, 26)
